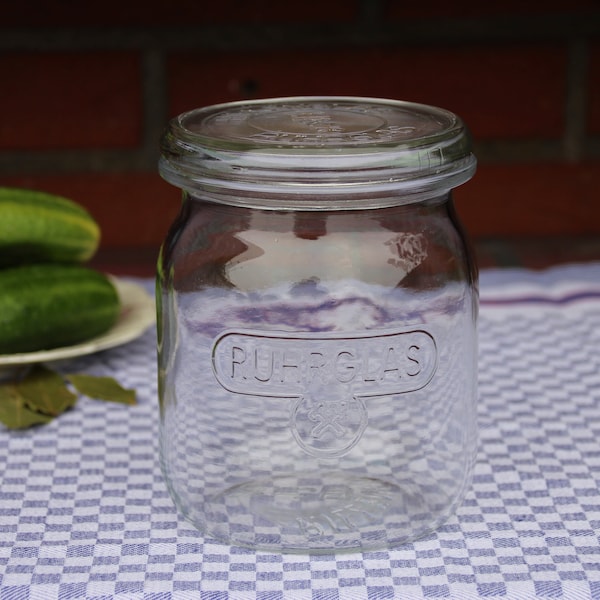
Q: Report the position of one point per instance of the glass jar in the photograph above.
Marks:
(317, 308)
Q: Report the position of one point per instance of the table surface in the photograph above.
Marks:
(84, 511)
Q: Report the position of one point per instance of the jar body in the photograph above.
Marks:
(317, 372)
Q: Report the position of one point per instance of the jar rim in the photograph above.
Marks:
(302, 146)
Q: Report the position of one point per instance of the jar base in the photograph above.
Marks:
(321, 514)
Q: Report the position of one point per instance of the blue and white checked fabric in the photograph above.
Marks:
(84, 511)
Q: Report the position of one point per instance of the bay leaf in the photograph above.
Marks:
(14, 412)
(45, 391)
(102, 388)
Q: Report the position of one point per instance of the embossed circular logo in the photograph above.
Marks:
(315, 123)
(329, 377)
(333, 122)
(328, 424)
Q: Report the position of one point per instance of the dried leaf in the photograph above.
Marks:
(45, 391)
(42, 394)
(102, 388)
(14, 412)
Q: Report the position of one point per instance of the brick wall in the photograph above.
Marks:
(87, 88)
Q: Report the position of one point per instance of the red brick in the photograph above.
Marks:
(34, 13)
(132, 209)
(531, 200)
(594, 90)
(398, 9)
(502, 91)
(70, 100)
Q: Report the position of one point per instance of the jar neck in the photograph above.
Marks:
(315, 202)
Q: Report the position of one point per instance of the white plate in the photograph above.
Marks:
(137, 314)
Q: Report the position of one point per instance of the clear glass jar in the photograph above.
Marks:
(317, 309)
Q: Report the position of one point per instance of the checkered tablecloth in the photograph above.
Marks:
(84, 511)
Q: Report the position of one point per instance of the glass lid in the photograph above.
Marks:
(321, 146)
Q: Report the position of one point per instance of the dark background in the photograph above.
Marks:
(87, 88)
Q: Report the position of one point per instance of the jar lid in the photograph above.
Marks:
(310, 150)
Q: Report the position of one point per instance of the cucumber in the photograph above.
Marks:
(48, 305)
(41, 227)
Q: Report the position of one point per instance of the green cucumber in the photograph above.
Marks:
(41, 227)
(45, 306)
